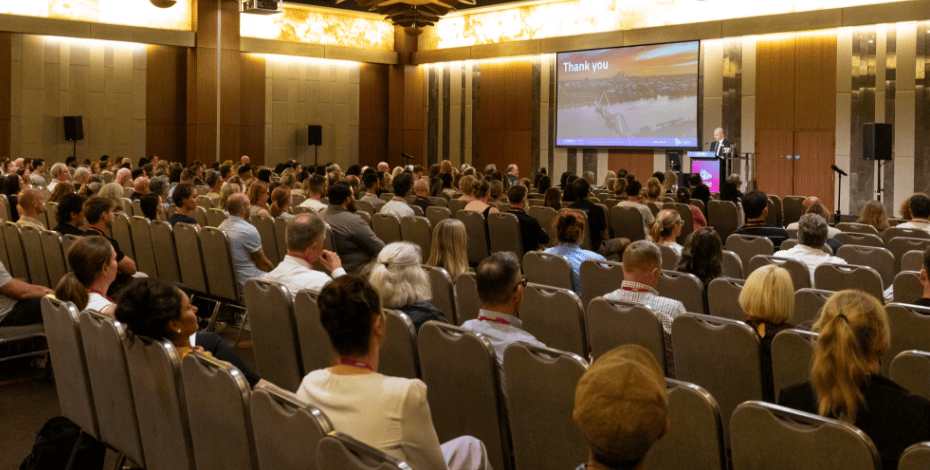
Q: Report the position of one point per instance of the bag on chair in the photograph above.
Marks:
(56, 442)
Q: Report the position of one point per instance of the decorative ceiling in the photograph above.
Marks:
(354, 6)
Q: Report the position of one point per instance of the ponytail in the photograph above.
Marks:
(665, 224)
(70, 289)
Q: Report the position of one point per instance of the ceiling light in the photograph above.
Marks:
(164, 3)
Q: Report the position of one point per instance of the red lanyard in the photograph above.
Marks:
(633, 289)
(498, 320)
(351, 361)
(102, 294)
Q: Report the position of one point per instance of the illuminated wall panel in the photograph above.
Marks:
(125, 12)
(321, 26)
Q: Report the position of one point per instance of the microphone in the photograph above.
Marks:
(402, 154)
(836, 169)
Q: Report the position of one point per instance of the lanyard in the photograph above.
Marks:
(498, 320)
(634, 289)
(353, 362)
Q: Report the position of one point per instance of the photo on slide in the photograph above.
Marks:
(638, 96)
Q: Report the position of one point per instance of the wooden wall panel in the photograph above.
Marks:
(505, 103)
(5, 97)
(637, 162)
(251, 108)
(166, 101)
(373, 106)
(775, 82)
(815, 81)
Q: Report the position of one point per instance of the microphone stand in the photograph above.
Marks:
(839, 193)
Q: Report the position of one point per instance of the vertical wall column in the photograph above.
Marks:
(6, 61)
(903, 112)
(406, 117)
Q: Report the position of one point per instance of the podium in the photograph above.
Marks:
(709, 167)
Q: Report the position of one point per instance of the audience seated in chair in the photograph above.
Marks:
(317, 187)
(642, 269)
(569, 228)
(702, 255)
(480, 202)
(158, 310)
(684, 197)
(500, 289)
(305, 235)
(846, 381)
(449, 247)
(258, 199)
(31, 206)
(699, 190)
(812, 234)
(214, 181)
(398, 206)
(601, 243)
(184, 198)
(924, 281)
(920, 213)
(421, 189)
(755, 205)
(403, 284)
(388, 413)
(767, 298)
(873, 213)
(70, 215)
(355, 242)
(93, 269)
(151, 205)
(20, 302)
(372, 186)
(813, 205)
(667, 229)
(244, 241)
(100, 214)
(632, 192)
(531, 233)
(621, 407)
(281, 202)
(139, 188)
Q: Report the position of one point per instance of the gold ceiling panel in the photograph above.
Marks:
(118, 12)
(326, 26)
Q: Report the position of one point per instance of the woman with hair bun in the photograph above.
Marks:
(402, 283)
(846, 381)
(667, 229)
(281, 203)
(569, 227)
(480, 202)
(93, 269)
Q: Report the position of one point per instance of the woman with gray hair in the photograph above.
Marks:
(402, 283)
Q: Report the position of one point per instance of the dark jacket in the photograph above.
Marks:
(531, 232)
(422, 312)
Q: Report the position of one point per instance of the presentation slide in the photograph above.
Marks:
(637, 96)
(709, 171)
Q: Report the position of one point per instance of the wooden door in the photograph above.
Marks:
(814, 153)
(774, 171)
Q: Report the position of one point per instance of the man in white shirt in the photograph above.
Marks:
(632, 193)
(20, 302)
(305, 235)
(920, 213)
(372, 184)
(812, 234)
(60, 173)
(398, 206)
(500, 289)
(315, 190)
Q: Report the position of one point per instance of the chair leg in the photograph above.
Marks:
(216, 311)
(245, 318)
(74, 451)
(120, 461)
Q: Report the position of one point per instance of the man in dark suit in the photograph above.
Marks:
(531, 232)
(720, 143)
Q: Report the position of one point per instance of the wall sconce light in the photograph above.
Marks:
(164, 3)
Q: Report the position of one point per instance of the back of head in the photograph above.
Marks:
(653, 188)
(449, 247)
(87, 256)
(237, 204)
(873, 213)
(664, 226)
(146, 307)
(854, 336)
(57, 169)
(619, 187)
(304, 230)
(659, 175)
(728, 191)
(702, 255)
(211, 178)
(402, 184)
(497, 276)
(552, 198)
(348, 306)
(482, 189)
(768, 295)
(496, 191)
(467, 185)
(370, 180)
(642, 256)
(633, 188)
(621, 406)
(581, 188)
(280, 198)
(96, 207)
(589, 177)
(398, 276)
(684, 195)
(569, 226)
(545, 182)
(920, 206)
(818, 209)
(149, 204)
(812, 230)
(29, 197)
(339, 193)
(516, 195)
(754, 203)
(159, 185)
(114, 192)
(694, 180)
(68, 205)
(316, 184)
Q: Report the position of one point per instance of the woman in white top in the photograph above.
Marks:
(93, 269)
(388, 413)
(667, 229)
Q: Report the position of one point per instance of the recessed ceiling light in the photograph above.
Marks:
(164, 3)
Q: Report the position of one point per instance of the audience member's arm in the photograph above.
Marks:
(367, 240)
(126, 266)
(418, 436)
(332, 263)
(262, 262)
(19, 290)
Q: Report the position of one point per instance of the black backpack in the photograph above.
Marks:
(55, 444)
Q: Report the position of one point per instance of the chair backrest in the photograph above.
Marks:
(122, 233)
(800, 275)
(144, 246)
(417, 230)
(316, 349)
(443, 292)
(286, 430)
(853, 227)
(280, 235)
(807, 305)
(66, 242)
(895, 232)
(613, 323)
(200, 215)
(51, 214)
(723, 298)
(504, 232)
(863, 239)
(215, 217)
(190, 257)
(555, 317)
(792, 358)
(14, 245)
(274, 333)
(544, 215)
(386, 227)
(467, 303)
(365, 206)
(439, 201)
(537, 379)
(547, 269)
(399, 354)
(460, 370)
(910, 329)
(158, 393)
(669, 258)
(127, 203)
(35, 256)
(877, 258)
(792, 209)
(417, 210)
(720, 355)
(66, 349)
(221, 274)
(916, 457)
(687, 221)
(771, 436)
(436, 214)
(722, 216)
(911, 370)
(733, 266)
(598, 277)
(4, 257)
(338, 450)
(298, 199)
(4, 208)
(103, 338)
(899, 246)
(700, 205)
(684, 287)
(455, 205)
(265, 226)
(837, 277)
(167, 261)
(217, 397)
(627, 222)
(907, 286)
(477, 231)
(205, 202)
(696, 438)
(747, 246)
(776, 205)
(912, 261)
(54, 256)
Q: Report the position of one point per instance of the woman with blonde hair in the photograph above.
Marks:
(671, 182)
(846, 381)
(619, 188)
(667, 229)
(281, 203)
(467, 187)
(227, 190)
(654, 191)
(874, 214)
(449, 249)
(258, 196)
(609, 179)
(767, 298)
(497, 191)
(402, 283)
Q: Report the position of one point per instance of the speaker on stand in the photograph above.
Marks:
(314, 138)
(878, 145)
(74, 131)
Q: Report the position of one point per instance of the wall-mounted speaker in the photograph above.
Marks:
(74, 128)
(315, 135)
(877, 141)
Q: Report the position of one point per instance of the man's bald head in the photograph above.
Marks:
(32, 201)
(421, 188)
(244, 160)
(383, 166)
(238, 205)
(141, 185)
(810, 202)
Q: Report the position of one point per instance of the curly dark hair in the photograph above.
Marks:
(146, 307)
(348, 306)
(702, 255)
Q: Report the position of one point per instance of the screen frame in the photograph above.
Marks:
(698, 117)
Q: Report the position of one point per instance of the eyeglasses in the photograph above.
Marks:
(523, 282)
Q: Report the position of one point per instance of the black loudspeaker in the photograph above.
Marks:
(314, 135)
(674, 161)
(877, 141)
(74, 128)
